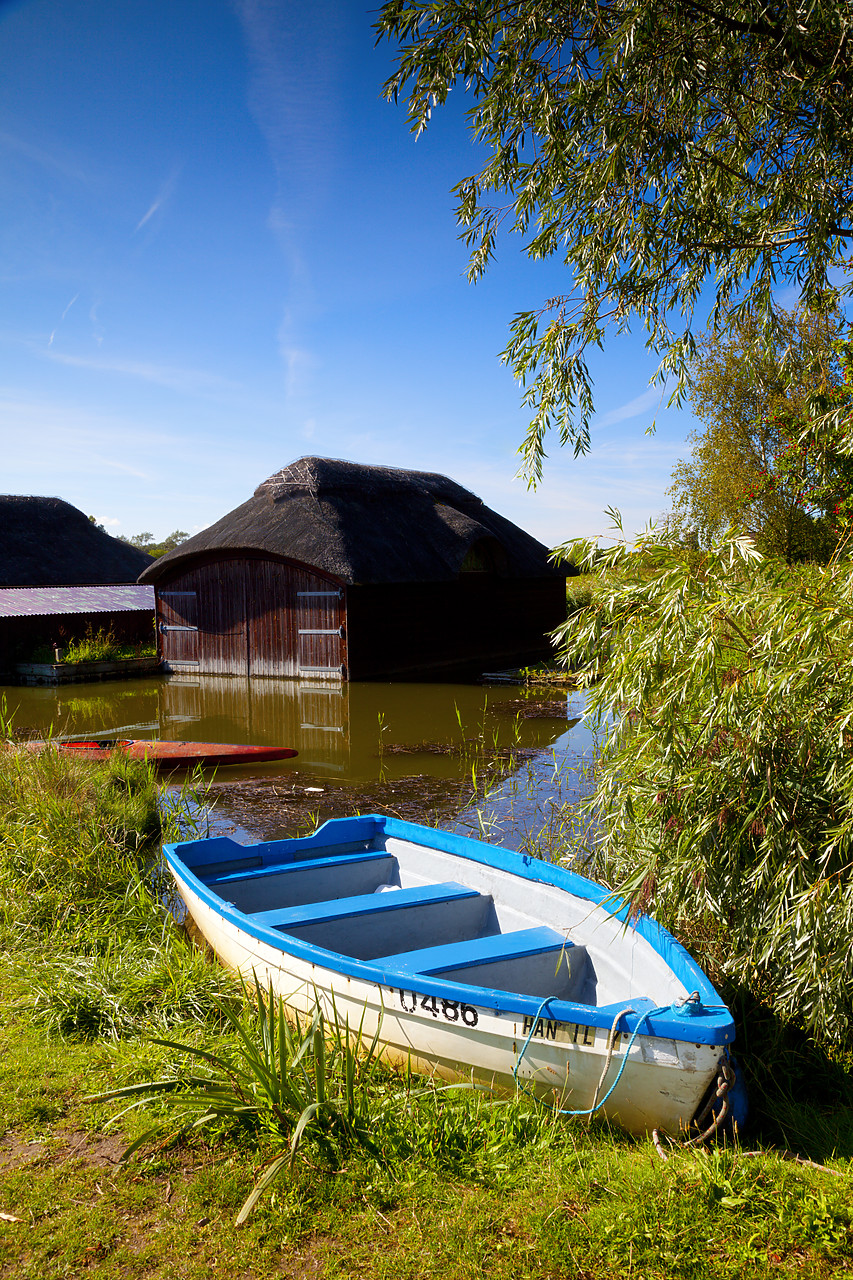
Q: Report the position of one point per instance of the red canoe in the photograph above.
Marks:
(177, 755)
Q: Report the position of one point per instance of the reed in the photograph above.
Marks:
(84, 899)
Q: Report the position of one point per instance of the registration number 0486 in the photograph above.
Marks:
(450, 1010)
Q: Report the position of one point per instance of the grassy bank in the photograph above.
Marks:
(448, 1184)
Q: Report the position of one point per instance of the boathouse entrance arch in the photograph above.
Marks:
(253, 616)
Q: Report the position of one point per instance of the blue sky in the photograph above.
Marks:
(221, 249)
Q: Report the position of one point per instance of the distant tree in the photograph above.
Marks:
(145, 542)
(747, 469)
(658, 148)
(94, 520)
(168, 544)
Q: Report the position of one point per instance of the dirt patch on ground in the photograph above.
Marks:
(101, 1151)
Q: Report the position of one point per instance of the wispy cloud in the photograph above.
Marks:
(97, 327)
(72, 442)
(294, 52)
(133, 463)
(190, 381)
(298, 361)
(56, 163)
(292, 90)
(112, 464)
(162, 197)
(652, 398)
(61, 318)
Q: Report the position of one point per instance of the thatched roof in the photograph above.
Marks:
(367, 524)
(47, 543)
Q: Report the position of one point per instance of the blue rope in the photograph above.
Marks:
(561, 1111)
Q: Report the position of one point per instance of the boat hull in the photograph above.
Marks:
(662, 1084)
(174, 755)
(663, 1060)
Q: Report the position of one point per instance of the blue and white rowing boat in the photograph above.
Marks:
(468, 959)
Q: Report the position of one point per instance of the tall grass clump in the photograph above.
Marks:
(104, 646)
(84, 900)
(317, 1086)
(75, 839)
(724, 791)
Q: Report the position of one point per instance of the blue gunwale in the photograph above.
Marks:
(714, 1026)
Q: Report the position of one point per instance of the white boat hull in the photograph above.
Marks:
(662, 1081)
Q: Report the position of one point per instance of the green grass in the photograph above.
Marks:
(580, 591)
(95, 646)
(450, 1184)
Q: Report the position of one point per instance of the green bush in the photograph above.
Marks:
(102, 646)
(94, 646)
(579, 591)
(724, 792)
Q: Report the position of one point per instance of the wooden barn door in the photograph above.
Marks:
(268, 591)
(320, 638)
(242, 616)
(178, 627)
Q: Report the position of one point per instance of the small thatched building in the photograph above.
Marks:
(49, 550)
(333, 569)
(49, 543)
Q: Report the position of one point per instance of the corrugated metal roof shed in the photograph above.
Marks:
(24, 602)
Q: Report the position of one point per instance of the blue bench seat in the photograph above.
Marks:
(217, 854)
(373, 924)
(221, 879)
(362, 904)
(538, 961)
(515, 945)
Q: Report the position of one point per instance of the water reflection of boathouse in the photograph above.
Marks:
(313, 717)
(357, 730)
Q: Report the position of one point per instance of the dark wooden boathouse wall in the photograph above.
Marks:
(252, 615)
(461, 628)
(257, 616)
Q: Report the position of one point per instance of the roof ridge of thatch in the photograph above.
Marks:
(41, 498)
(49, 542)
(361, 523)
(317, 475)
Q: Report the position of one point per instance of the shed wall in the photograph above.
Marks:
(245, 615)
(478, 623)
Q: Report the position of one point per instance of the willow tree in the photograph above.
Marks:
(661, 148)
(658, 147)
(753, 407)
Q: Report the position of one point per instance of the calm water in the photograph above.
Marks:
(359, 734)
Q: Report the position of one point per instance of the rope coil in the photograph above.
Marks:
(611, 1041)
(719, 1094)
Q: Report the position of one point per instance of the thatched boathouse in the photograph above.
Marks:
(61, 576)
(49, 543)
(337, 570)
